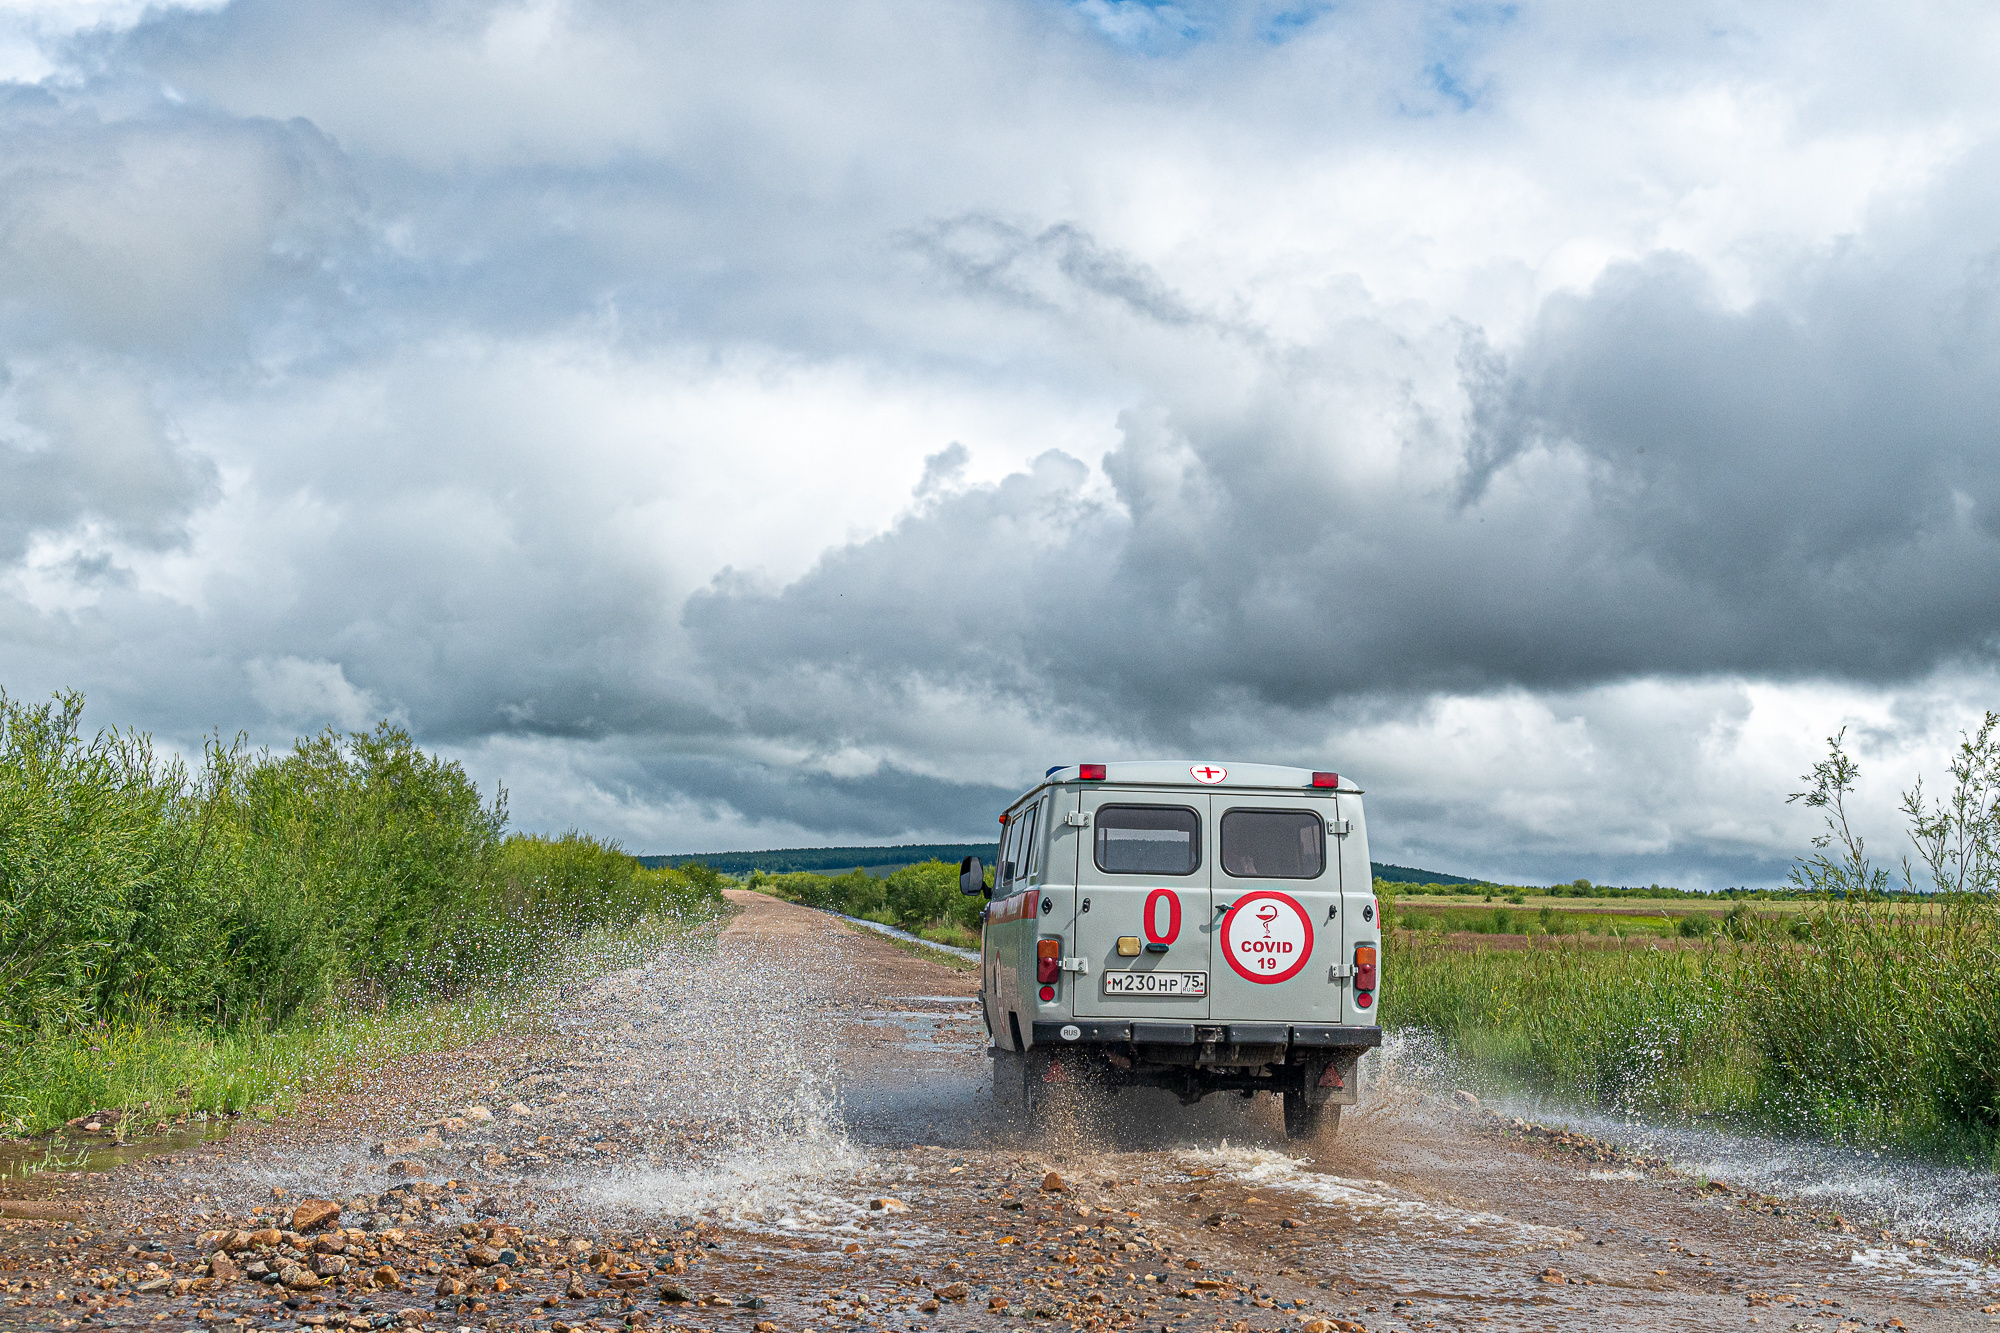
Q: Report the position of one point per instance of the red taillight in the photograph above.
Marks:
(1363, 999)
(1326, 779)
(1090, 772)
(1048, 993)
(1048, 963)
(1364, 969)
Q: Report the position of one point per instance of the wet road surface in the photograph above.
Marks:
(788, 1125)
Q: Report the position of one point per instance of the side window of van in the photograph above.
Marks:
(1146, 840)
(1003, 874)
(1031, 846)
(1273, 844)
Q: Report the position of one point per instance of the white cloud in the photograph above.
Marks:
(311, 695)
(1562, 414)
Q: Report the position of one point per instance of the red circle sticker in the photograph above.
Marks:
(1267, 937)
(1208, 774)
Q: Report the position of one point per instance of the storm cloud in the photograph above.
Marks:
(775, 423)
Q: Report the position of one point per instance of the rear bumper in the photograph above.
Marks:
(1317, 1060)
(1138, 1032)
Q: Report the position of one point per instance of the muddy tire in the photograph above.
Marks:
(1019, 1090)
(1009, 1083)
(1306, 1121)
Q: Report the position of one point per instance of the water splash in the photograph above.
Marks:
(1381, 1202)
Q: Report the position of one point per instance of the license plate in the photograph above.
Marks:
(1156, 983)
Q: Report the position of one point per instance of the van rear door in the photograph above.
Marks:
(1142, 880)
(1278, 930)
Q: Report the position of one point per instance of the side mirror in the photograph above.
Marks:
(971, 876)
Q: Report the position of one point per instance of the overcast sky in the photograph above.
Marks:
(776, 423)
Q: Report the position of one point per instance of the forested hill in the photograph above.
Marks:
(1411, 875)
(881, 860)
(783, 860)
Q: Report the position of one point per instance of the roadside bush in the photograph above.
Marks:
(857, 893)
(926, 896)
(921, 898)
(257, 887)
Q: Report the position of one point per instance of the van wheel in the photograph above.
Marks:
(1022, 1089)
(1305, 1121)
(1009, 1083)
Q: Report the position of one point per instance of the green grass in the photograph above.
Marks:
(1626, 1030)
(1862, 1022)
(157, 1070)
(957, 936)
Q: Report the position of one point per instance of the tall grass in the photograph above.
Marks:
(1881, 1026)
(1636, 1031)
(253, 893)
(1865, 1019)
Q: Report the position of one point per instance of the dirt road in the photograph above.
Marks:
(787, 1125)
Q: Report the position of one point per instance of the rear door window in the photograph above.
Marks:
(1273, 844)
(1147, 840)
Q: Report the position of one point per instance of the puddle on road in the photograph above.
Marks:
(923, 1030)
(62, 1154)
(1379, 1205)
(1874, 1190)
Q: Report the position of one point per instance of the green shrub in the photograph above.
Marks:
(256, 888)
(926, 895)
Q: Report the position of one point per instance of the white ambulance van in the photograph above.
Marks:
(1202, 927)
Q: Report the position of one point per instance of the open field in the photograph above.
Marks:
(1563, 903)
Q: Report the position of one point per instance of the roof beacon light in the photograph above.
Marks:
(1326, 779)
(1090, 772)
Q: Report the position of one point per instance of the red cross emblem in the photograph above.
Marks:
(1208, 774)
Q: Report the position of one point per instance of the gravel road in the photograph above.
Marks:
(786, 1125)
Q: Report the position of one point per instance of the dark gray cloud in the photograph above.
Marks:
(1652, 483)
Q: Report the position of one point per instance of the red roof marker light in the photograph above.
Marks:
(1090, 772)
(1326, 779)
